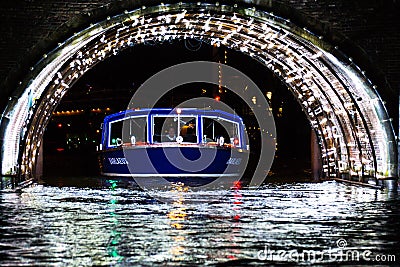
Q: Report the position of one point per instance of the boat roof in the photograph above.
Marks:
(173, 111)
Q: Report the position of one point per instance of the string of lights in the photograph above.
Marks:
(341, 104)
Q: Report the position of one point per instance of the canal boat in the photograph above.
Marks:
(181, 142)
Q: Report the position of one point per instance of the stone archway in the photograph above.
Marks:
(354, 132)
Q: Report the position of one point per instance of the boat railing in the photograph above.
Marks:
(175, 144)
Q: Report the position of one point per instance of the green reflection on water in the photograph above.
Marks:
(115, 235)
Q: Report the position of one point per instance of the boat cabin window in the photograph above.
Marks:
(167, 129)
(128, 131)
(214, 128)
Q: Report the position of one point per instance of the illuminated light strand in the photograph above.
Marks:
(261, 38)
(110, 49)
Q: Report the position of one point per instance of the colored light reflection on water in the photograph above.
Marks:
(109, 222)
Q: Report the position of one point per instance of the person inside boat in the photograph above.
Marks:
(171, 136)
(189, 133)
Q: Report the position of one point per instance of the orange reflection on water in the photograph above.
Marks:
(177, 215)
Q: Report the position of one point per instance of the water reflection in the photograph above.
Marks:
(177, 216)
(115, 235)
(117, 224)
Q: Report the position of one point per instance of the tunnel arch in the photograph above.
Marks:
(354, 132)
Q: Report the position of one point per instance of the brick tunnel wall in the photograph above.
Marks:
(31, 28)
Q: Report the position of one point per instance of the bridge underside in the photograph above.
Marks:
(354, 132)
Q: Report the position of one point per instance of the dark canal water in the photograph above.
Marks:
(100, 222)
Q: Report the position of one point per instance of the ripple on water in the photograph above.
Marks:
(45, 225)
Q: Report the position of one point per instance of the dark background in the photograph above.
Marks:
(71, 137)
(365, 30)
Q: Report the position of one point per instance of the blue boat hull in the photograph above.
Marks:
(173, 162)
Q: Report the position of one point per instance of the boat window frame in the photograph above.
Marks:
(125, 118)
(174, 115)
(239, 134)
